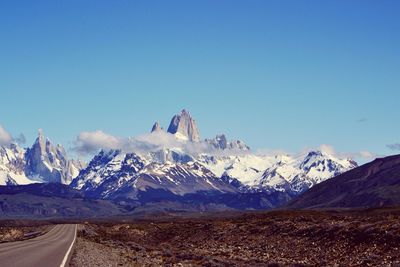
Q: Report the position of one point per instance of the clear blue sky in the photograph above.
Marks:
(277, 74)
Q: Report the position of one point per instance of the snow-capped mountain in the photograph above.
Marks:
(220, 142)
(12, 165)
(281, 172)
(175, 165)
(114, 174)
(302, 172)
(108, 168)
(42, 163)
(225, 167)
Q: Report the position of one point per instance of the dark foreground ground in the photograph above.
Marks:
(287, 238)
(11, 230)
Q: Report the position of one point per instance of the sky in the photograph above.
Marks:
(280, 75)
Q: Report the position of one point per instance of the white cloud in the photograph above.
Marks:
(158, 139)
(325, 148)
(367, 155)
(89, 142)
(5, 137)
(362, 155)
(359, 156)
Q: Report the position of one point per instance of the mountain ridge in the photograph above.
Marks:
(41, 163)
(186, 169)
(374, 184)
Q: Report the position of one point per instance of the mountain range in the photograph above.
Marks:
(191, 170)
(201, 174)
(44, 162)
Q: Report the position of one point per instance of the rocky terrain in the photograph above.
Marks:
(17, 231)
(279, 238)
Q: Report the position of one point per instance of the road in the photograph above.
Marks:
(49, 250)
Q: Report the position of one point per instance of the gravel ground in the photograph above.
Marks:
(272, 239)
(87, 253)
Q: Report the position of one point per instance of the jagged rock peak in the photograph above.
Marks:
(40, 133)
(221, 142)
(156, 127)
(49, 162)
(184, 126)
(40, 140)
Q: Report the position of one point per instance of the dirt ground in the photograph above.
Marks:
(280, 238)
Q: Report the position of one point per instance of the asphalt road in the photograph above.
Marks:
(49, 250)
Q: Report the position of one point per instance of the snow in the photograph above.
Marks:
(19, 179)
(181, 136)
(247, 168)
(277, 172)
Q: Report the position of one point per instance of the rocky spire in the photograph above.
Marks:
(184, 126)
(47, 161)
(156, 127)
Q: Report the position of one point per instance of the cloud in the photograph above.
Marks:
(361, 120)
(88, 143)
(395, 146)
(91, 142)
(5, 137)
(364, 155)
(358, 155)
(157, 140)
(328, 149)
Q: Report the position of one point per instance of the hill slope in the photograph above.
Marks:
(374, 184)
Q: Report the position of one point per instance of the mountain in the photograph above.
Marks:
(107, 171)
(12, 165)
(303, 172)
(184, 127)
(374, 184)
(220, 142)
(179, 168)
(156, 128)
(219, 171)
(49, 162)
(130, 178)
(42, 163)
(293, 174)
(112, 174)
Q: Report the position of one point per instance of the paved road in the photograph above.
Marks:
(49, 250)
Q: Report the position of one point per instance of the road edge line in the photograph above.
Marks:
(70, 249)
